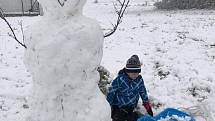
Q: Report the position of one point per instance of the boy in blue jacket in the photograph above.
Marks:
(125, 90)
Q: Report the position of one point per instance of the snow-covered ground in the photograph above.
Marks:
(177, 49)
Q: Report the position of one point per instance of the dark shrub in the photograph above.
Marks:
(185, 4)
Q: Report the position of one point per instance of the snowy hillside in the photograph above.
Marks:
(177, 49)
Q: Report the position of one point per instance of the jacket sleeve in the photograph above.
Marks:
(142, 91)
(112, 90)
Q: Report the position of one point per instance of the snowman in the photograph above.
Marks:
(64, 49)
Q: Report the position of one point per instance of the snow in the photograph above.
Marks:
(175, 117)
(176, 49)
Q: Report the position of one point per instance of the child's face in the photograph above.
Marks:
(133, 75)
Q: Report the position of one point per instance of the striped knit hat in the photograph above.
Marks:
(133, 65)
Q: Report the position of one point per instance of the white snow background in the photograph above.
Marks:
(177, 49)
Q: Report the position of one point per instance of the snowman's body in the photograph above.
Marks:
(63, 53)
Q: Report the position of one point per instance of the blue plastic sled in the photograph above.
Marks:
(167, 112)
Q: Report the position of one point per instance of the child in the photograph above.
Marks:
(124, 92)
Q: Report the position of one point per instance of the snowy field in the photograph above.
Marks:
(177, 49)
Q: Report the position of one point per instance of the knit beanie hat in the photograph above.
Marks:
(133, 65)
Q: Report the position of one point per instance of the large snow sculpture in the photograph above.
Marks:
(63, 52)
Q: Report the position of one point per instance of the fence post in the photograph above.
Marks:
(22, 7)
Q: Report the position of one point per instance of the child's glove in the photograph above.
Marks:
(148, 108)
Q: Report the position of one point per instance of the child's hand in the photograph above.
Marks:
(148, 108)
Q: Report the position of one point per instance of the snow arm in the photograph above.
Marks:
(14, 35)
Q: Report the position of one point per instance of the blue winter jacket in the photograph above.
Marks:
(125, 92)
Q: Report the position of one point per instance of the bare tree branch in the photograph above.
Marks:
(23, 36)
(61, 3)
(120, 14)
(14, 35)
(120, 2)
(116, 10)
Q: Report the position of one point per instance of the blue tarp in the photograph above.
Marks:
(169, 112)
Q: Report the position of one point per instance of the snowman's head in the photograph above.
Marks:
(62, 7)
